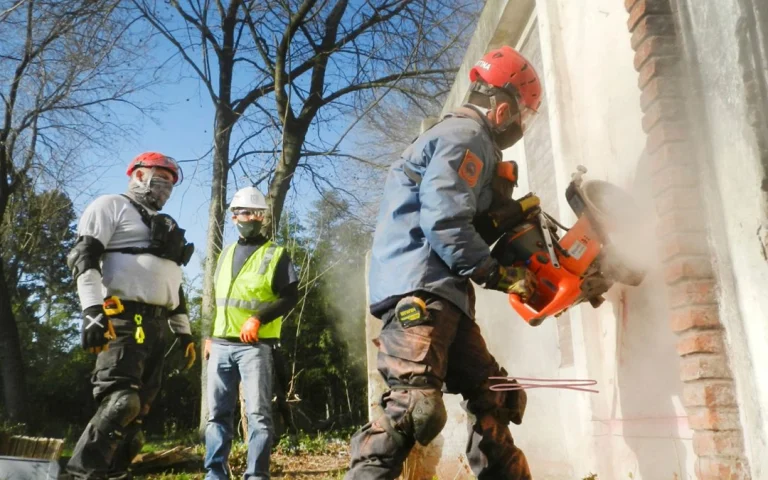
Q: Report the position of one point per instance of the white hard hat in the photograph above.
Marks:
(248, 197)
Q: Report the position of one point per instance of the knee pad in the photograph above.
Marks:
(508, 406)
(117, 411)
(428, 415)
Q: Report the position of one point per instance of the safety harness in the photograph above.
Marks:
(166, 238)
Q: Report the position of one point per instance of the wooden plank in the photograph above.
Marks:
(5, 443)
(41, 446)
(29, 448)
(55, 447)
(13, 449)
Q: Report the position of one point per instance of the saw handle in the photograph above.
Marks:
(558, 289)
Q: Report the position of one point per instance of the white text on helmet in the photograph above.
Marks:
(484, 65)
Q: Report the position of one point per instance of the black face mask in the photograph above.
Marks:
(249, 229)
(507, 137)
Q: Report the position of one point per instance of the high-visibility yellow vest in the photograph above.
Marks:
(250, 291)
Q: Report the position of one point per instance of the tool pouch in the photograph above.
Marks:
(168, 240)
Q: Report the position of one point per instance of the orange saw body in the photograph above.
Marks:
(578, 266)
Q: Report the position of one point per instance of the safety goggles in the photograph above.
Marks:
(248, 212)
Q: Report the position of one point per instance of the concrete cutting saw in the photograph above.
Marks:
(576, 264)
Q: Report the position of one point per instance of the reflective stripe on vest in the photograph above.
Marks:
(248, 293)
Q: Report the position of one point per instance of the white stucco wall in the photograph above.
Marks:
(736, 212)
(636, 424)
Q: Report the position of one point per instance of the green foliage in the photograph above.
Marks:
(38, 232)
(324, 337)
(308, 444)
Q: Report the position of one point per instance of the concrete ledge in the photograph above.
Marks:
(14, 468)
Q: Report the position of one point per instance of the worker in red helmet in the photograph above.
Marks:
(425, 251)
(127, 264)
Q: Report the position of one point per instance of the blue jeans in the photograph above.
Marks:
(228, 365)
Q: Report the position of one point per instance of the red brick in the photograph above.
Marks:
(704, 366)
(646, 7)
(666, 109)
(679, 198)
(714, 418)
(680, 244)
(728, 443)
(654, 47)
(698, 341)
(628, 4)
(673, 155)
(673, 177)
(658, 67)
(721, 468)
(658, 88)
(652, 26)
(666, 132)
(681, 221)
(697, 292)
(710, 394)
(695, 316)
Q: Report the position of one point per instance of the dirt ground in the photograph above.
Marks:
(316, 467)
(331, 464)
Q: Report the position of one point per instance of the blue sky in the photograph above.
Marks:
(183, 130)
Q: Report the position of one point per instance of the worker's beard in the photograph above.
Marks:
(153, 192)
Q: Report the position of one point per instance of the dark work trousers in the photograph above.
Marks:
(112, 439)
(448, 350)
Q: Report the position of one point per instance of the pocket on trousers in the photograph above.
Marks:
(405, 344)
(109, 359)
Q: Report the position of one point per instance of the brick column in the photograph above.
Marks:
(708, 393)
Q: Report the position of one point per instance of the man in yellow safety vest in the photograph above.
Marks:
(255, 285)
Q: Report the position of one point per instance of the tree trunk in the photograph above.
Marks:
(11, 363)
(225, 120)
(293, 139)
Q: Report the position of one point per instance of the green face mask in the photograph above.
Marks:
(249, 229)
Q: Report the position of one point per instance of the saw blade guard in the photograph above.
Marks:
(617, 220)
(605, 245)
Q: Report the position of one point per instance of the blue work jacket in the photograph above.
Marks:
(424, 239)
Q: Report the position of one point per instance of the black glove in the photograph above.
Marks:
(188, 347)
(96, 330)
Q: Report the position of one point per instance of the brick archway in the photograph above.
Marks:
(708, 393)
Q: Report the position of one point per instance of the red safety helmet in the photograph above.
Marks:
(506, 69)
(155, 159)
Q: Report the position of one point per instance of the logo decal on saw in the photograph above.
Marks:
(578, 248)
(470, 168)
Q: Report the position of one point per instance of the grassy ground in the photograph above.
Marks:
(301, 457)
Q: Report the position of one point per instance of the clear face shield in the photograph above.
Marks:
(511, 131)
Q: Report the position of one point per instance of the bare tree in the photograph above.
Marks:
(63, 65)
(302, 72)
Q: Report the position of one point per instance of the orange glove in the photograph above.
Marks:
(207, 348)
(249, 333)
